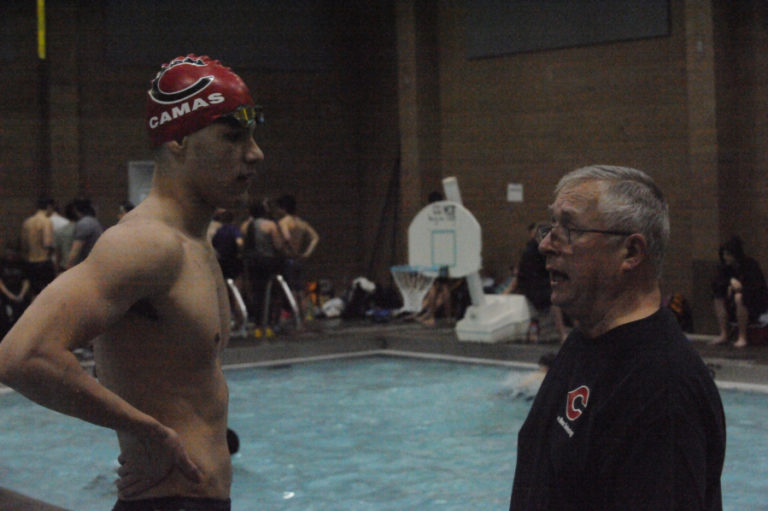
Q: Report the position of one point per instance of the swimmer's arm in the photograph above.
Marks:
(25, 288)
(314, 238)
(36, 356)
(276, 235)
(244, 226)
(47, 241)
(74, 252)
(534, 377)
(284, 232)
(6, 292)
(285, 224)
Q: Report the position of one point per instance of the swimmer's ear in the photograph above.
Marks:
(176, 146)
(635, 251)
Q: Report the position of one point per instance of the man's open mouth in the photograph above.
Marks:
(557, 276)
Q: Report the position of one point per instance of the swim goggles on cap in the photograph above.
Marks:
(247, 115)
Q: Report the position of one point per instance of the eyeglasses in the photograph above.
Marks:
(562, 233)
(247, 115)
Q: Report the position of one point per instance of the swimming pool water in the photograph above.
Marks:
(379, 434)
(366, 434)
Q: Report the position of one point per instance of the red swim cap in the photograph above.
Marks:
(188, 94)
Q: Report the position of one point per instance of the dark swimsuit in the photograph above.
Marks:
(173, 504)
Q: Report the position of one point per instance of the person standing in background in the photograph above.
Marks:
(15, 288)
(301, 241)
(37, 246)
(61, 224)
(228, 243)
(87, 231)
(531, 280)
(65, 236)
(263, 254)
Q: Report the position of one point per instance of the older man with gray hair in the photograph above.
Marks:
(628, 416)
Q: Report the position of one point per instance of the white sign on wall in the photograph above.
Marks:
(139, 180)
(514, 192)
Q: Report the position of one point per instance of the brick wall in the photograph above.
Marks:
(330, 137)
(689, 108)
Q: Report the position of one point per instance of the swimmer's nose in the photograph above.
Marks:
(253, 152)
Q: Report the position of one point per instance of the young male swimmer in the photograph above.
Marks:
(151, 298)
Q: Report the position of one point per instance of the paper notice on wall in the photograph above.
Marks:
(514, 192)
(139, 180)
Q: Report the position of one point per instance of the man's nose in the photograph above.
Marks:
(545, 245)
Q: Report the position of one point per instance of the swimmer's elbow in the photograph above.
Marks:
(4, 376)
(9, 367)
(20, 367)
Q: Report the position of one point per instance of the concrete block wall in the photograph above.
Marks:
(399, 106)
(686, 108)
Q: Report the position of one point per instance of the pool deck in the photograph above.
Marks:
(733, 367)
(12, 501)
(330, 338)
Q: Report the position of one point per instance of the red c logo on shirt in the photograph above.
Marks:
(580, 394)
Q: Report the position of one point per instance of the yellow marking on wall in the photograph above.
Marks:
(41, 29)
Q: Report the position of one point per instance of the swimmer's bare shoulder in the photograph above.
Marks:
(175, 312)
(145, 251)
(130, 261)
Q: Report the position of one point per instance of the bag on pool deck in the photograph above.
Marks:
(359, 298)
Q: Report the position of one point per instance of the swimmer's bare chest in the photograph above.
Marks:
(185, 328)
(202, 293)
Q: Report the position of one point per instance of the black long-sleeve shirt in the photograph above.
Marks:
(631, 420)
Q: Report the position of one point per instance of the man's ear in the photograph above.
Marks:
(635, 251)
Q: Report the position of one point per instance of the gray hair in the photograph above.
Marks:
(631, 202)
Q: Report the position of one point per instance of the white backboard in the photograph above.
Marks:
(445, 234)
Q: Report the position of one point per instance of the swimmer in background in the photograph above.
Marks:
(528, 385)
(534, 379)
(151, 298)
